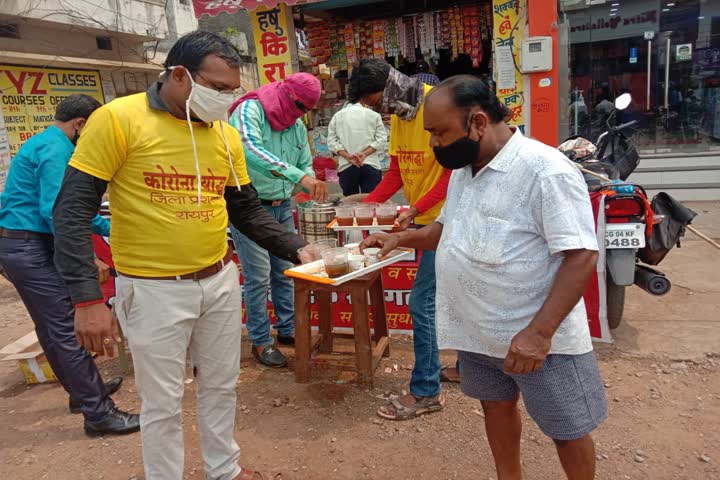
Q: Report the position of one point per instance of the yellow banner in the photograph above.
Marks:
(272, 43)
(29, 97)
(509, 17)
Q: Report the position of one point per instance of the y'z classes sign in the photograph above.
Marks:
(29, 97)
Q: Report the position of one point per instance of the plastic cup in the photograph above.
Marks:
(357, 262)
(316, 248)
(325, 244)
(371, 256)
(344, 214)
(336, 262)
(364, 214)
(353, 248)
(386, 213)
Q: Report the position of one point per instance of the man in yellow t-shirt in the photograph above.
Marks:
(424, 181)
(175, 173)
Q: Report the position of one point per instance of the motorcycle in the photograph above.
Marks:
(629, 216)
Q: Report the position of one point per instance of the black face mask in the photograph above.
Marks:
(76, 137)
(458, 154)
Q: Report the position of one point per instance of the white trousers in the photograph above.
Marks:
(161, 319)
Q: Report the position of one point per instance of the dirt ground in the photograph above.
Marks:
(662, 379)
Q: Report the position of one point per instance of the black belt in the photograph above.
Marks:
(24, 235)
(199, 275)
(273, 203)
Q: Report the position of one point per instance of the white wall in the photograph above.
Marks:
(56, 39)
(125, 82)
(184, 17)
(144, 18)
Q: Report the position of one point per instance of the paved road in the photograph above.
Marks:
(686, 322)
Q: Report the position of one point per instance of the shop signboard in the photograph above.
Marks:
(638, 18)
(707, 59)
(214, 7)
(272, 43)
(30, 95)
(509, 18)
(633, 55)
(683, 52)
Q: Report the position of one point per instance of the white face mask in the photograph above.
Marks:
(208, 104)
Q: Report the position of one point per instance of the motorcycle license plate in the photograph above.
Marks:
(625, 235)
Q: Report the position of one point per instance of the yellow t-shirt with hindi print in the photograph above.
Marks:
(419, 169)
(145, 154)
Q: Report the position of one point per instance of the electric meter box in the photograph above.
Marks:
(536, 55)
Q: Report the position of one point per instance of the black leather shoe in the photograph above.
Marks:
(116, 422)
(110, 387)
(286, 340)
(270, 356)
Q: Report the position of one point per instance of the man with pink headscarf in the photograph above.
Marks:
(278, 158)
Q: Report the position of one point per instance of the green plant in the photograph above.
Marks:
(229, 32)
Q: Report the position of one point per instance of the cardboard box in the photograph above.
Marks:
(331, 86)
(26, 351)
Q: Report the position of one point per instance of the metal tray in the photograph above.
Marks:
(309, 270)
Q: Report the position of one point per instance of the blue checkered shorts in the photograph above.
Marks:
(566, 397)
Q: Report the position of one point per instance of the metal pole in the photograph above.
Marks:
(667, 73)
(649, 72)
(575, 108)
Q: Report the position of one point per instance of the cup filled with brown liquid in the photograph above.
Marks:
(386, 213)
(345, 215)
(364, 214)
(336, 262)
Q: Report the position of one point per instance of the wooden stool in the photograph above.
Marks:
(367, 357)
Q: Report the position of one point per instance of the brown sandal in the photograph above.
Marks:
(397, 411)
(246, 474)
(449, 375)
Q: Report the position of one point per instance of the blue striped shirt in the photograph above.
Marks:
(427, 78)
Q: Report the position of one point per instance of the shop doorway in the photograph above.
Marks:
(665, 53)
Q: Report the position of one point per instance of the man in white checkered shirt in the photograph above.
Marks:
(516, 247)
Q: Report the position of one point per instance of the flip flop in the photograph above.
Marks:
(421, 406)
